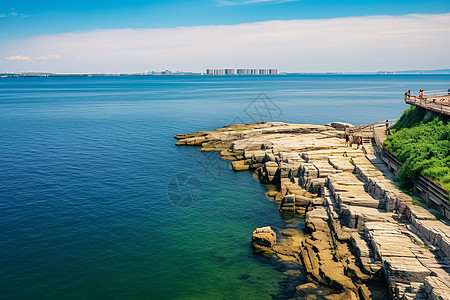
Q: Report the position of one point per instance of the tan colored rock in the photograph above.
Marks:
(226, 154)
(240, 165)
(405, 269)
(264, 238)
(272, 193)
(363, 211)
(355, 273)
(436, 288)
(290, 232)
(305, 286)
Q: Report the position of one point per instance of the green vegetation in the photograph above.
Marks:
(422, 143)
(416, 202)
(410, 117)
(438, 215)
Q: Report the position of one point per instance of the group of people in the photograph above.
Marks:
(350, 139)
(422, 95)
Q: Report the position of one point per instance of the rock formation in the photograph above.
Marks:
(364, 237)
(264, 238)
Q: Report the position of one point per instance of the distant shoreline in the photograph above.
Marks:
(38, 74)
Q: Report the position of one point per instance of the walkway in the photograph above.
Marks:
(435, 101)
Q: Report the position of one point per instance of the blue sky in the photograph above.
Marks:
(26, 18)
(23, 22)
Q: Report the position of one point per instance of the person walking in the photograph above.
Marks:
(358, 142)
(346, 140)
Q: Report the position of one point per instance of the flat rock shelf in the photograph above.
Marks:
(364, 239)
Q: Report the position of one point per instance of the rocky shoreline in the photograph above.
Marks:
(364, 239)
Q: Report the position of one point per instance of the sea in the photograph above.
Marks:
(97, 202)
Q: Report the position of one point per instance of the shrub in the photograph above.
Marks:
(423, 147)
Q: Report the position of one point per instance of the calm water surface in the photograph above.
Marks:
(89, 206)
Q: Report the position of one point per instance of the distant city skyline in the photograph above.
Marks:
(292, 36)
(241, 71)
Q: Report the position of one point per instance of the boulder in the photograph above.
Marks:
(340, 125)
(264, 238)
(240, 165)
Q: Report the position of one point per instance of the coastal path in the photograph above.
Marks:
(437, 101)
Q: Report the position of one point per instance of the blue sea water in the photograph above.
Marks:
(96, 201)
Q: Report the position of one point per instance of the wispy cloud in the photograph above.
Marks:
(11, 14)
(322, 45)
(232, 3)
(50, 57)
(19, 57)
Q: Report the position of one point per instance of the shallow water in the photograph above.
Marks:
(90, 207)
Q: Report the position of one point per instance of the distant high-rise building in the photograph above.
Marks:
(229, 71)
(241, 72)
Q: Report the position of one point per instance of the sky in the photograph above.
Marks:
(119, 36)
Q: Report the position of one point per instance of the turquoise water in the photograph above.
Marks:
(89, 207)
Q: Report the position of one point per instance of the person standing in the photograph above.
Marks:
(358, 142)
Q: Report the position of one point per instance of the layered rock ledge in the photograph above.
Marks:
(362, 233)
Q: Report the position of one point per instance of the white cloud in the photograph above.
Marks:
(19, 57)
(50, 57)
(232, 3)
(11, 14)
(342, 44)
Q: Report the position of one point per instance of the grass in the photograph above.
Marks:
(416, 202)
(422, 143)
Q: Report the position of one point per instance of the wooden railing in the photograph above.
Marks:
(367, 132)
(370, 128)
(439, 102)
(377, 139)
